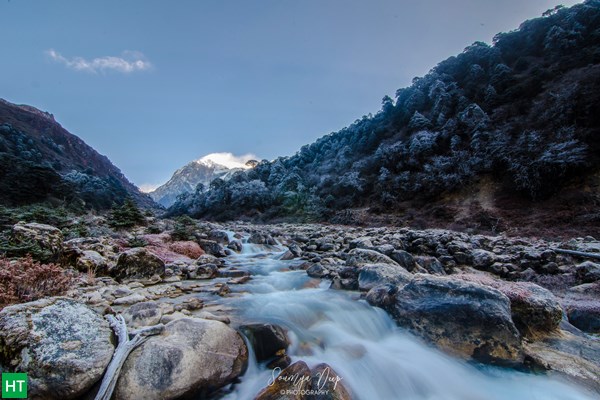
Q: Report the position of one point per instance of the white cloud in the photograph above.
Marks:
(130, 61)
(229, 160)
(148, 187)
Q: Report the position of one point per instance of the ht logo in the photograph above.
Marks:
(14, 385)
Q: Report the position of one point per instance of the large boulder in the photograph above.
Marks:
(138, 263)
(372, 275)
(535, 310)
(61, 344)
(463, 318)
(191, 358)
(46, 241)
(294, 382)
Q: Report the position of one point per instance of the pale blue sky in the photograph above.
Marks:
(155, 84)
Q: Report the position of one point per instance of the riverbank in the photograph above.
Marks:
(322, 291)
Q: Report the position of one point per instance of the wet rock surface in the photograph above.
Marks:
(461, 317)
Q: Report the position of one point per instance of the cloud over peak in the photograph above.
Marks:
(128, 62)
(228, 159)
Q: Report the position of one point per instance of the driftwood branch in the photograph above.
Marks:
(125, 346)
(579, 253)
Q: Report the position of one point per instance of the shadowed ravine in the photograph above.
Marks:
(375, 358)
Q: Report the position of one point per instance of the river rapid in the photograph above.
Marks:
(375, 358)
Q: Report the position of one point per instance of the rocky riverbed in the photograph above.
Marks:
(516, 303)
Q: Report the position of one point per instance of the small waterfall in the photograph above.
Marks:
(376, 359)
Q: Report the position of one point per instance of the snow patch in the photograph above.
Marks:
(228, 160)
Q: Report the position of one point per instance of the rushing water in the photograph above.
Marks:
(376, 359)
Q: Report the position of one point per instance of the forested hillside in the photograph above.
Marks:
(516, 122)
(40, 161)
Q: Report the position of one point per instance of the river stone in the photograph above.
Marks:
(190, 358)
(266, 339)
(138, 263)
(372, 275)
(219, 236)
(359, 257)
(235, 245)
(431, 264)
(534, 309)
(463, 318)
(482, 259)
(585, 315)
(563, 353)
(262, 238)
(202, 271)
(61, 344)
(143, 314)
(404, 258)
(213, 248)
(588, 272)
(317, 271)
(46, 238)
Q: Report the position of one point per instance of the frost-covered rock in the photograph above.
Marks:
(372, 275)
(358, 257)
(191, 358)
(61, 344)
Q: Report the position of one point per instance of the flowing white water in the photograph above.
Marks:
(362, 344)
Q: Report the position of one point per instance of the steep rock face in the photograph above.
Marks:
(39, 159)
(186, 179)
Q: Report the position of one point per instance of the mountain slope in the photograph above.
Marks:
(514, 125)
(40, 160)
(186, 179)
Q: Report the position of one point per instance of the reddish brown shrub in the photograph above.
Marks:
(187, 248)
(26, 280)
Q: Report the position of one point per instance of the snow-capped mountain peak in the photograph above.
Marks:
(204, 171)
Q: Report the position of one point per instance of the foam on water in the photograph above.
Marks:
(376, 359)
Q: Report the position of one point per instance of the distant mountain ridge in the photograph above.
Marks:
(187, 178)
(40, 161)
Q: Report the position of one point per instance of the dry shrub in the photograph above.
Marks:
(26, 280)
(187, 248)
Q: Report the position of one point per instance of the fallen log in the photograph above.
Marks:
(578, 253)
(125, 346)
